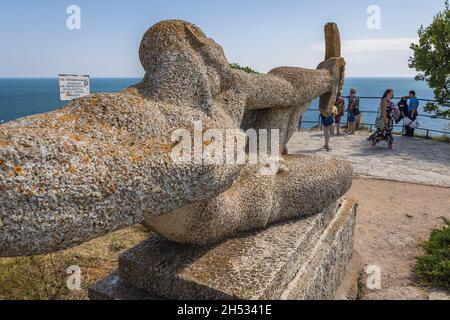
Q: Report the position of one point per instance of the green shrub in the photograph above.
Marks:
(434, 267)
(246, 69)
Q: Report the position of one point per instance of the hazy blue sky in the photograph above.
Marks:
(261, 33)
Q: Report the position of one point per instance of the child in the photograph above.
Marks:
(327, 120)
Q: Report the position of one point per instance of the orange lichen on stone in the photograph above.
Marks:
(3, 143)
(72, 169)
(18, 170)
(69, 147)
(207, 143)
(29, 191)
(69, 118)
(112, 187)
(86, 161)
(3, 165)
(165, 147)
(75, 137)
(136, 158)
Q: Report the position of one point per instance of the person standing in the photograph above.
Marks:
(354, 117)
(413, 107)
(385, 122)
(340, 106)
(327, 121)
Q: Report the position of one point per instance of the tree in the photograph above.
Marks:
(432, 61)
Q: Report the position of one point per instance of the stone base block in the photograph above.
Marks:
(304, 259)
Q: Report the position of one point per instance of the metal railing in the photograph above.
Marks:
(428, 132)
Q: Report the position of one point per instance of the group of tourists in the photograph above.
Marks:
(389, 114)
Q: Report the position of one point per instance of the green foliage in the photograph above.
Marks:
(245, 69)
(432, 61)
(434, 267)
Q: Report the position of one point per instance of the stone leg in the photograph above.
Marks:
(304, 186)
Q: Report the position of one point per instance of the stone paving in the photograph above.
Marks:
(413, 160)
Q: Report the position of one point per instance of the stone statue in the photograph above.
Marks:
(104, 162)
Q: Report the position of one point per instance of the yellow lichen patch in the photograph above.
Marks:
(207, 143)
(112, 187)
(86, 161)
(93, 100)
(69, 118)
(18, 170)
(91, 122)
(165, 147)
(136, 158)
(69, 147)
(3, 165)
(29, 191)
(75, 137)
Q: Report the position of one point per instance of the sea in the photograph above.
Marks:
(21, 97)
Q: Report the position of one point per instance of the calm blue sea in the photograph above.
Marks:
(23, 97)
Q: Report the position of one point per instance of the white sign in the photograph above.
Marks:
(73, 86)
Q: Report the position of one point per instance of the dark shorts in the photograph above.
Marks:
(351, 117)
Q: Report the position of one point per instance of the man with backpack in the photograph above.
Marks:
(354, 115)
(412, 114)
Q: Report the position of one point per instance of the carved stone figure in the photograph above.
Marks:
(104, 162)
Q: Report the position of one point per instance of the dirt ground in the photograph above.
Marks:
(393, 220)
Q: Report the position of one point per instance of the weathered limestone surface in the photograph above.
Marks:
(301, 259)
(304, 186)
(103, 162)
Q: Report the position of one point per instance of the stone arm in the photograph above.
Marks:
(285, 87)
(291, 86)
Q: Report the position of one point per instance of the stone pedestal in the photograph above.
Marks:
(300, 259)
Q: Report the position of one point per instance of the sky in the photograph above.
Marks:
(263, 34)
